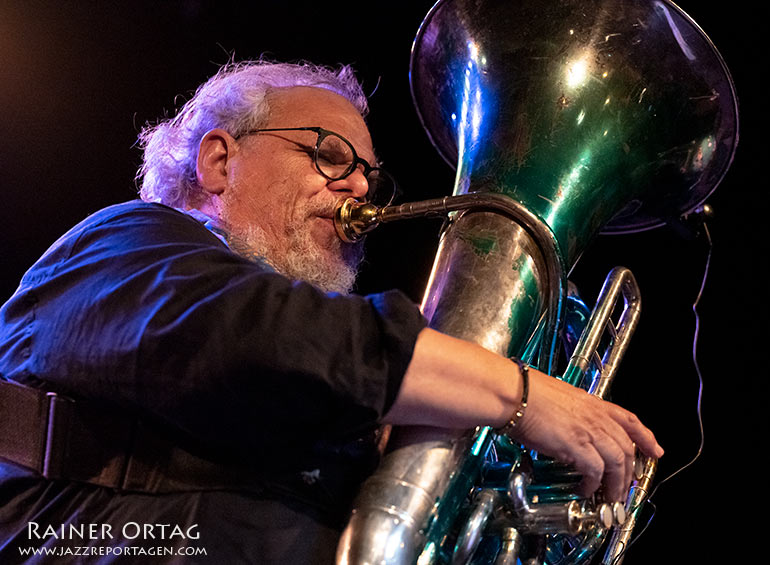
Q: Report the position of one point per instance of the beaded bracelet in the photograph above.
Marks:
(519, 412)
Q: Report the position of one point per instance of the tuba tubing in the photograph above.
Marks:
(563, 119)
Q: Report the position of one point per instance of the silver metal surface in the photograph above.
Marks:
(555, 102)
(492, 282)
(484, 505)
(531, 240)
(621, 536)
(543, 518)
(619, 513)
(511, 546)
(562, 119)
(396, 501)
(619, 282)
(478, 286)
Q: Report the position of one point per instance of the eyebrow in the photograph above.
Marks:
(376, 163)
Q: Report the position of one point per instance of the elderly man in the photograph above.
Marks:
(218, 390)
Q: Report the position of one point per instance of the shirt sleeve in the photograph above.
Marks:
(144, 308)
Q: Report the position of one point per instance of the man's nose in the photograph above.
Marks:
(355, 184)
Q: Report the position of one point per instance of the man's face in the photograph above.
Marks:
(277, 202)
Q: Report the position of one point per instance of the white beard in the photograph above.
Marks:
(332, 267)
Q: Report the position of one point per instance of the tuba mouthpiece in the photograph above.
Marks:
(354, 219)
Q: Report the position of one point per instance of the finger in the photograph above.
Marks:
(624, 458)
(589, 463)
(638, 432)
(618, 462)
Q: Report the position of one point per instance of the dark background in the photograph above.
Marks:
(78, 80)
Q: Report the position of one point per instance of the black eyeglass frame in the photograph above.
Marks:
(323, 134)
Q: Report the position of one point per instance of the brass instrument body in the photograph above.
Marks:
(563, 118)
(399, 507)
(595, 115)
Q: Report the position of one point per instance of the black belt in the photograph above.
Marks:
(61, 438)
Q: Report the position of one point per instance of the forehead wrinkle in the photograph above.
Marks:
(325, 108)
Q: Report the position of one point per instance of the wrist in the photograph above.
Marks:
(518, 412)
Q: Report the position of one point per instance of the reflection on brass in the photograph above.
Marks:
(563, 119)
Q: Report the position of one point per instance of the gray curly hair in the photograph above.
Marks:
(234, 99)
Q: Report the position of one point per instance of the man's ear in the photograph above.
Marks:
(214, 151)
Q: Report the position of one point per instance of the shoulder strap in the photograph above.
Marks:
(60, 438)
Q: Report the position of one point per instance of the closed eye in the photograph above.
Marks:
(333, 157)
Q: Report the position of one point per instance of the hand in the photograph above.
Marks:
(454, 384)
(594, 435)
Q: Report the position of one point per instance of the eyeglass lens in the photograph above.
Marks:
(335, 159)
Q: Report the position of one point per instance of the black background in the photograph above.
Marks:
(78, 80)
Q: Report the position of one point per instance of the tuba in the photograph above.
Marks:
(564, 119)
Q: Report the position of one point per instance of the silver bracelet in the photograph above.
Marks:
(519, 412)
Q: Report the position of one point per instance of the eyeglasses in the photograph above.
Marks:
(335, 158)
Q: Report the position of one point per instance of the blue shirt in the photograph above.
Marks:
(141, 308)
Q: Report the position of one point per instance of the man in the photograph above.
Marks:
(231, 385)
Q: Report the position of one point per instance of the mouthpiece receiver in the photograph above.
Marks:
(353, 219)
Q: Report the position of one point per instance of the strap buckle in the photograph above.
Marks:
(58, 425)
(86, 442)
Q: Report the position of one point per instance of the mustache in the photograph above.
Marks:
(324, 209)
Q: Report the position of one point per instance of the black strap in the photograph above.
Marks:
(61, 438)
